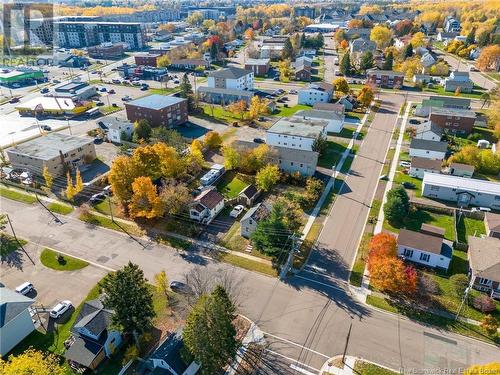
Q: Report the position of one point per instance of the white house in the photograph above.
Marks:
(335, 120)
(426, 247)
(429, 131)
(461, 170)
(428, 149)
(231, 78)
(461, 190)
(296, 132)
(419, 166)
(316, 92)
(15, 319)
(253, 216)
(117, 128)
(206, 206)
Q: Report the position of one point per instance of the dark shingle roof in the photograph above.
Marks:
(94, 317)
(209, 198)
(250, 191)
(421, 241)
(231, 72)
(257, 212)
(424, 144)
(170, 352)
(425, 163)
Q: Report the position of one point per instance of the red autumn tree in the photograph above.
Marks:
(383, 244)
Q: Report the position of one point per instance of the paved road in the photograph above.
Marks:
(294, 314)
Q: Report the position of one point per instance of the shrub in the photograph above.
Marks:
(484, 303)
(489, 324)
(460, 282)
(474, 137)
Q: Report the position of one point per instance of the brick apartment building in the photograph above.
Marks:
(455, 120)
(259, 67)
(106, 51)
(158, 110)
(385, 78)
(147, 59)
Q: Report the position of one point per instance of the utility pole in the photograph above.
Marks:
(111, 210)
(347, 342)
(465, 296)
(17, 240)
(56, 219)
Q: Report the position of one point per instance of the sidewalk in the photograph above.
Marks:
(335, 366)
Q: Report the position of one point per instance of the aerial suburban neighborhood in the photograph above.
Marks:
(236, 187)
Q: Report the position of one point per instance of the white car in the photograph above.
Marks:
(293, 91)
(405, 164)
(24, 288)
(60, 309)
(237, 210)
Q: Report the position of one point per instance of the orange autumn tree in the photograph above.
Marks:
(388, 272)
(145, 200)
(344, 44)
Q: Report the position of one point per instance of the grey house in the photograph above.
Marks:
(15, 319)
(252, 218)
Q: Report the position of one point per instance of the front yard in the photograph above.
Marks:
(332, 154)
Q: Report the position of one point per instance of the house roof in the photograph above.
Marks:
(12, 304)
(283, 153)
(432, 230)
(170, 351)
(462, 183)
(199, 62)
(362, 45)
(299, 127)
(429, 126)
(318, 114)
(384, 73)
(83, 351)
(94, 317)
(452, 102)
(250, 191)
(424, 163)
(156, 102)
(209, 198)
(421, 241)
(230, 72)
(220, 90)
(493, 221)
(443, 111)
(258, 212)
(257, 61)
(463, 167)
(323, 86)
(484, 257)
(337, 107)
(424, 144)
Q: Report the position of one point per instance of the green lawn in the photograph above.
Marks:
(365, 368)
(220, 113)
(416, 218)
(106, 222)
(49, 259)
(109, 109)
(467, 226)
(290, 111)
(353, 114)
(60, 208)
(358, 267)
(439, 90)
(348, 132)
(332, 154)
(400, 177)
(16, 195)
(249, 264)
(232, 184)
(8, 244)
(435, 320)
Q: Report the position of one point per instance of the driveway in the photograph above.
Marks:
(50, 286)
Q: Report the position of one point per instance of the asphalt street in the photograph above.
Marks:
(305, 321)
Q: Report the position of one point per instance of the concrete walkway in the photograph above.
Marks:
(331, 366)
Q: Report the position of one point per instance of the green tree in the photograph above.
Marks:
(271, 235)
(400, 192)
(408, 51)
(320, 144)
(214, 51)
(287, 52)
(170, 137)
(209, 334)
(460, 282)
(471, 37)
(126, 292)
(394, 210)
(345, 65)
(267, 177)
(389, 61)
(142, 130)
(483, 38)
(186, 91)
(366, 61)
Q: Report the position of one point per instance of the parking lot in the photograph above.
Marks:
(51, 286)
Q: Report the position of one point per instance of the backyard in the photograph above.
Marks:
(290, 111)
(232, 183)
(467, 226)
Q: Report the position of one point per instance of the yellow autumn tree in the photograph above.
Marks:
(489, 368)
(238, 108)
(258, 106)
(418, 40)
(145, 202)
(78, 182)
(49, 180)
(381, 35)
(70, 189)
(32, 362)
(489, 58)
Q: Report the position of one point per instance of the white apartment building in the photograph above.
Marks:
(231, 78)
(316, 93)
(296, 133)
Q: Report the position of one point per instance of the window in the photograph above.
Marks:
(425, 257)
(408, 253)
(434, 187)
(482, 281)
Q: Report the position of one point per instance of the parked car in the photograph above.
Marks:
(293, 91)
(180, 287)
(107, 190)
(259, 140)
(405, 164)
(384, 177)
(409, 185)
(276, 78)
(98, 140)
(414, 121)
(484, 209)
(24, 288)
(59, 309)
(126, 98)
(103, 89)
(14, 100)
(97, 198)
(144, 88)
(112, 91)
(236, 211)
(99, 104)
(46, 128)
(176, 81)
(44, 90)
(56, 81)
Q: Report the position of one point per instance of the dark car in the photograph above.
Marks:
(98, 140)
(112, 91)
(44, 90)
(180, 287)
(99, 104)
(414, 121)
(97, 198)
(409, 185)
(144, 88)
(14, 100)
(276, 78)
(46, 128)
(259, 140)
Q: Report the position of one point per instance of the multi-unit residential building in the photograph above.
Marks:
(259, 67)
(147, 59)
(334, 119)
(78, 34)
(461, 190)
(107, 51)
(58, 152)
(320, 92)
(458, 81)
(453, 120)
(231, 78)
(296, 132)
(385, 78)
(423, 109)
(158, 110)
